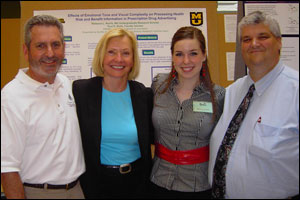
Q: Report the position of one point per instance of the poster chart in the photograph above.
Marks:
(287, 15)
(154, 29)
(230, 23)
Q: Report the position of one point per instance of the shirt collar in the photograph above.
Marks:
(198, 89)
(27, 80)
(266, 81)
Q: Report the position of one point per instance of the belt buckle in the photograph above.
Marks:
(123, 166)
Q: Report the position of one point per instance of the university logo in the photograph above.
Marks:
(196, 18)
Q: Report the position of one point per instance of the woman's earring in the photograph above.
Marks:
(203, 70)
(173, 72)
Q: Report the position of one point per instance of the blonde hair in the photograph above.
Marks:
(99, 54)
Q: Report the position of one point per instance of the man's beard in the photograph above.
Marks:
(37, 67)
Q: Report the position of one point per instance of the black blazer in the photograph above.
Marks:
(88, 98)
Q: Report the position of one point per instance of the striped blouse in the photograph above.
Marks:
(182, 127)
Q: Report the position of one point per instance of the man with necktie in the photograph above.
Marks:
(254, 149)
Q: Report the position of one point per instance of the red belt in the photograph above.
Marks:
(187, 157)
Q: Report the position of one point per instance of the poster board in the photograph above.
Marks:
(28, 8)
(154, 29)
(225, 49)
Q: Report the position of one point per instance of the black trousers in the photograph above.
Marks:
(114, 185)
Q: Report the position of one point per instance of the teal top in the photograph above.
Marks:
(119, 141)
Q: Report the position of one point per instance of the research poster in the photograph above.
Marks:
(154, 29)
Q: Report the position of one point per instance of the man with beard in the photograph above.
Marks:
(41, 150)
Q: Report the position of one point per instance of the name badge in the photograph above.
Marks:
(202, 106)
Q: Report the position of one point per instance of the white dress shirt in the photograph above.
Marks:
(264, 160)
(40, 136)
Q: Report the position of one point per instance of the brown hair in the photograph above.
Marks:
(190, 32)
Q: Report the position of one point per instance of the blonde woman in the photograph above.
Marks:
(114, 113)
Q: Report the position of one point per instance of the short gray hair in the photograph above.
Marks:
(258, 17)
(41, 20)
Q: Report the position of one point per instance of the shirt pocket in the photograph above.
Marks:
(266, 129)
(259, 152)
(264, 139)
